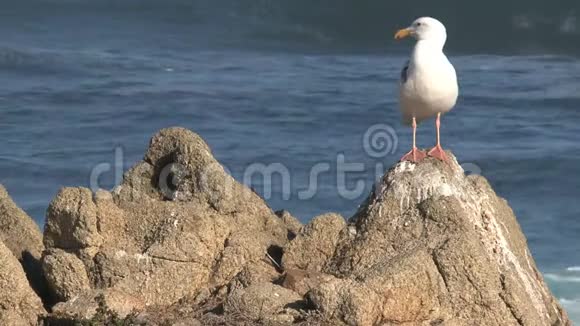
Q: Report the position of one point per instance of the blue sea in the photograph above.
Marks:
(307, 88)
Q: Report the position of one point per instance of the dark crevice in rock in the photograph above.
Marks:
(440, 270)
(290, 235)
(158, 167)
(95, 273)
(98, 222)
(216, 264)
(510, 307)
(34, 274)
(276, 252)
(330, 267)
(217, 310)
(293, 226)
(279, 280)
(58, 321)
(174, 260)
(299, 305)
(213, 205)
(437, 322)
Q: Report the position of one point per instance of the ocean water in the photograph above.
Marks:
(308, 89)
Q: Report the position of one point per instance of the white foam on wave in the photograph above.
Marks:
(573, 269)
(572, 306)
(562, 278)
(565, 301)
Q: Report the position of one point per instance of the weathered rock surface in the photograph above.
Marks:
(19, 305)
(302, 281)
(67, 285)
(292, 223)
(22, 236)
(432, 246)
(315, 243)
(266, 302)
(17, 230)
(182, 243)
(178, 225)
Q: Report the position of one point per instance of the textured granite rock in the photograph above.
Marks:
(433, 246)
(180, 241)
(19, 304)
(177, 225)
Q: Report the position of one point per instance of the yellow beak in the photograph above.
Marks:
(402, 33)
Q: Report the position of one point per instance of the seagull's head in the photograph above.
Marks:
(424, 28)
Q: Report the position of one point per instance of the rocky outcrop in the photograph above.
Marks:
(266, 302)
(433, 246)
(19, 305)
(18, 231)
(302, 281)
(21, 235)
(315, 243)
(292, 223)
(180, 242)
(177, 226)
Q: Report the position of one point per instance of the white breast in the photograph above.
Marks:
(430, 86)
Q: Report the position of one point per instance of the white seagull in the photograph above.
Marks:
(428, 82)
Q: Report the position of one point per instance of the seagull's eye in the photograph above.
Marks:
(418, 24)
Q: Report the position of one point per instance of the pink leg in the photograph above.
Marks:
(415, 155)
(438, 151)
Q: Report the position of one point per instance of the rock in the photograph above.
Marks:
(176, 226)
(292, 223)
(17, 230)
(180, 241)
(301, 281)
(315, 244)
(72, 221)
(19, 305)
(258, 273)
(408, 292)
(264, 302)
(433, 246)
(66, 274)
(85, 305)
(22, 236)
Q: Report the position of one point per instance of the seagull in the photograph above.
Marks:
(428, 85)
